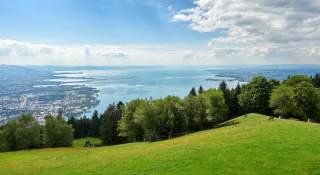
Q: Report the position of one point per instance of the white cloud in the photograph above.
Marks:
(5, 52)
(116, 55)
(17, 52)
(260, 29)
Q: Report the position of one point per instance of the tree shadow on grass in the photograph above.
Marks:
(229, 123)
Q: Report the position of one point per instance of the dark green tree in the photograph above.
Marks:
(3, 141)
(306, 100)
(235, 95)
(195, 108)
(228, 97)
(255, 96)
(201, 90)
(94, 125)
(58, 133)
(296, 97)
(27, 133)
(282, 101)
(193, 92)
(147, 116)
(223, 86)
(128, 126)
(9, 136)
(109, 132)
(217, 109)
(22, 133)
(316, 80)
(172, 115)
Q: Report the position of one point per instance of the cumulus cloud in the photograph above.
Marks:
(260, 28)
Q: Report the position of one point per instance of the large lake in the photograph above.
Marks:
(126, 83)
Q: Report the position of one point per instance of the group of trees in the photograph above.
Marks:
(104, 126)
(26, 133)
(154, 119)
(297, 97)
(85, 127)
(147, 119)
(255, 95)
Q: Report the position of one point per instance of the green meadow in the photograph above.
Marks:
(251, 144)
(81, 142)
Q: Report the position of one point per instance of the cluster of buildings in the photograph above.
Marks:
(70, 103)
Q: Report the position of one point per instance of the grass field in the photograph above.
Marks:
(81, 142)
(254, 146)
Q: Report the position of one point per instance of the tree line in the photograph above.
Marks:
(26, 133)
(156, 119)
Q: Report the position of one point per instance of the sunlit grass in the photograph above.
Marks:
(256, 145)
(81, 142)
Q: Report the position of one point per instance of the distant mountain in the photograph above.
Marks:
(11, 71)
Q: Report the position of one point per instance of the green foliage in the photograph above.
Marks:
(296, 97)
(148, 119)
(81, 142)
(255, 95)
(217, 109)
(85, 127)
(296, 79)
(201, 90)
(147, 116)
(22, 133)
(58, 133)
(256, 145)
(231, 99)
(282, 101)
(109, 132)
(128, 127)
(27, 133)
(172, 115)
(94, 125)
(223, 86)
(9, 136)
(316, 80)
(306, 99)
(4, 145)
(195, 110)
(193, 92)
(235, 109)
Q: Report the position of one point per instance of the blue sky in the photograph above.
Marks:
(96, 21)
(159, 32)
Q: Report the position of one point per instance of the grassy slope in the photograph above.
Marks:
(255, 146)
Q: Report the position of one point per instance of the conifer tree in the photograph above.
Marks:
(193, 92)
(201, 90)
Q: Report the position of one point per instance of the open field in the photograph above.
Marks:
(81, 142)
(256, 145)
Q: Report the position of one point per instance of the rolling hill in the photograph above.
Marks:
(245, 145)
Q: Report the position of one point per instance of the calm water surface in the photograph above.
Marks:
(123, 84)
